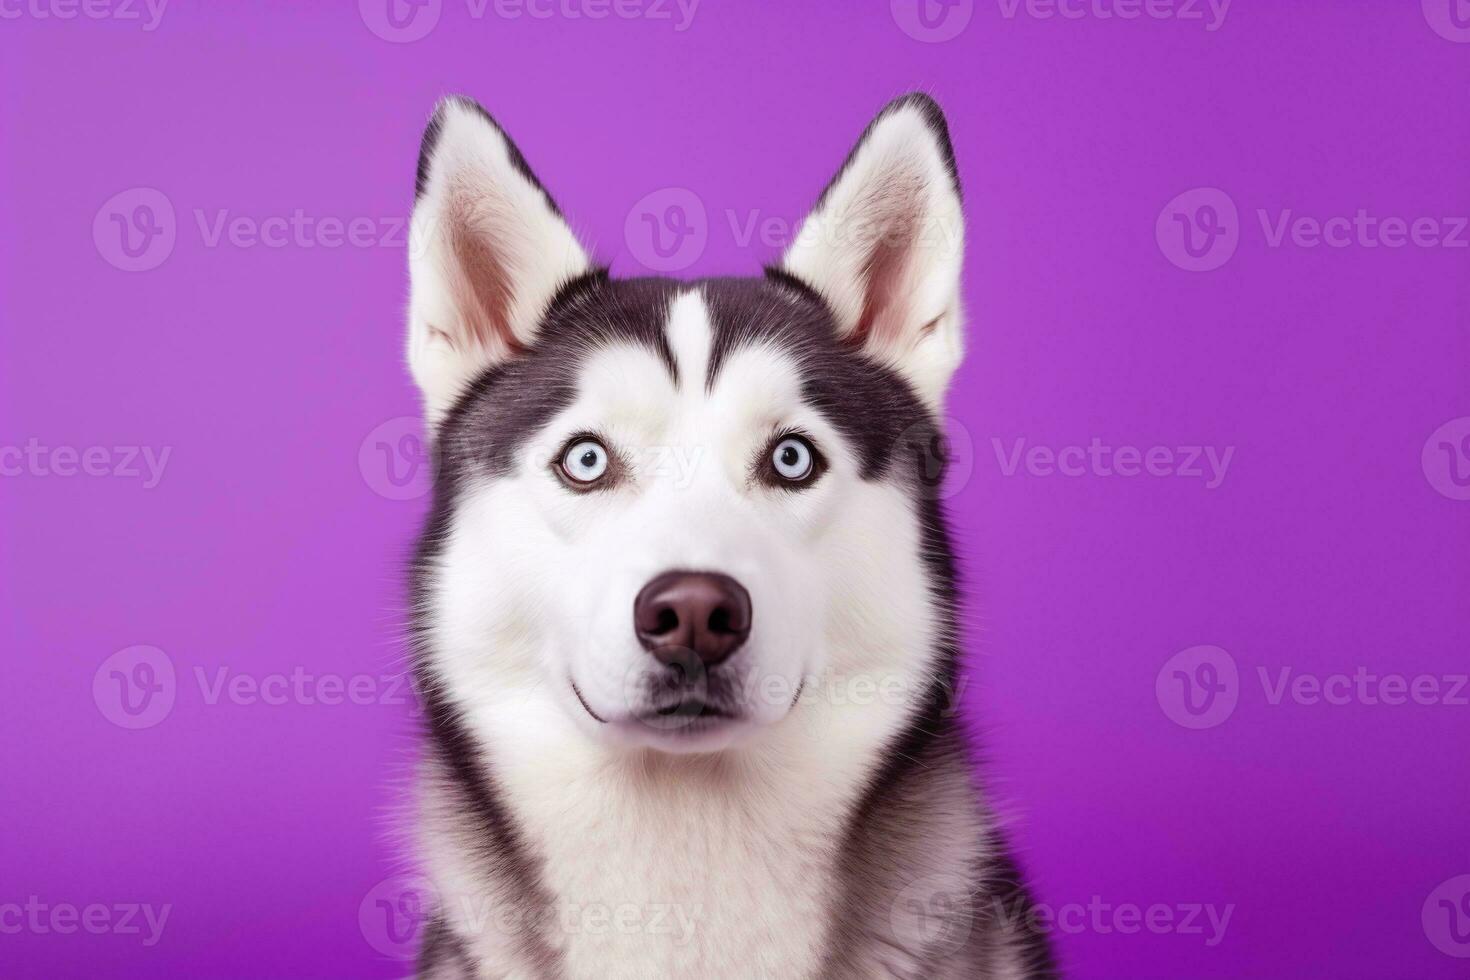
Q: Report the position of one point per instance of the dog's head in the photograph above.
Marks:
(664, 508)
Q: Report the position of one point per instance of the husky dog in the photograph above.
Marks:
(684, 607)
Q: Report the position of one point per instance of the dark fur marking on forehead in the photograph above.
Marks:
(870, 404)
(507, 404)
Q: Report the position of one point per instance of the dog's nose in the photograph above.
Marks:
(704, 613)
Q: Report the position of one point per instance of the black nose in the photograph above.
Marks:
(704, 613)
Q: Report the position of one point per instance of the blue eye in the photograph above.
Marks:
(585, 461)
(792, 459)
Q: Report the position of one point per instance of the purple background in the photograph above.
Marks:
(267, 546)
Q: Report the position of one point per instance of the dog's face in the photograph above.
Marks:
(663, 509)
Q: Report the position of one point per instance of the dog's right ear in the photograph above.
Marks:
(488, 251)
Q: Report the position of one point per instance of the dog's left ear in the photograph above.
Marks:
(885, 243)
(488, 251)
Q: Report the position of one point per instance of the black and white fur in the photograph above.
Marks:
(811, 834)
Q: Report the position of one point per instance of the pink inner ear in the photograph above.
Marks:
(880, 324)
(482, 283)
(896, 211)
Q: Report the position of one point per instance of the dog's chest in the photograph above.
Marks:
(660, 880)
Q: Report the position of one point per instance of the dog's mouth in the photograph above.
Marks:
(678, 715)
(689, 708)
(683, 718)
(587, 707)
